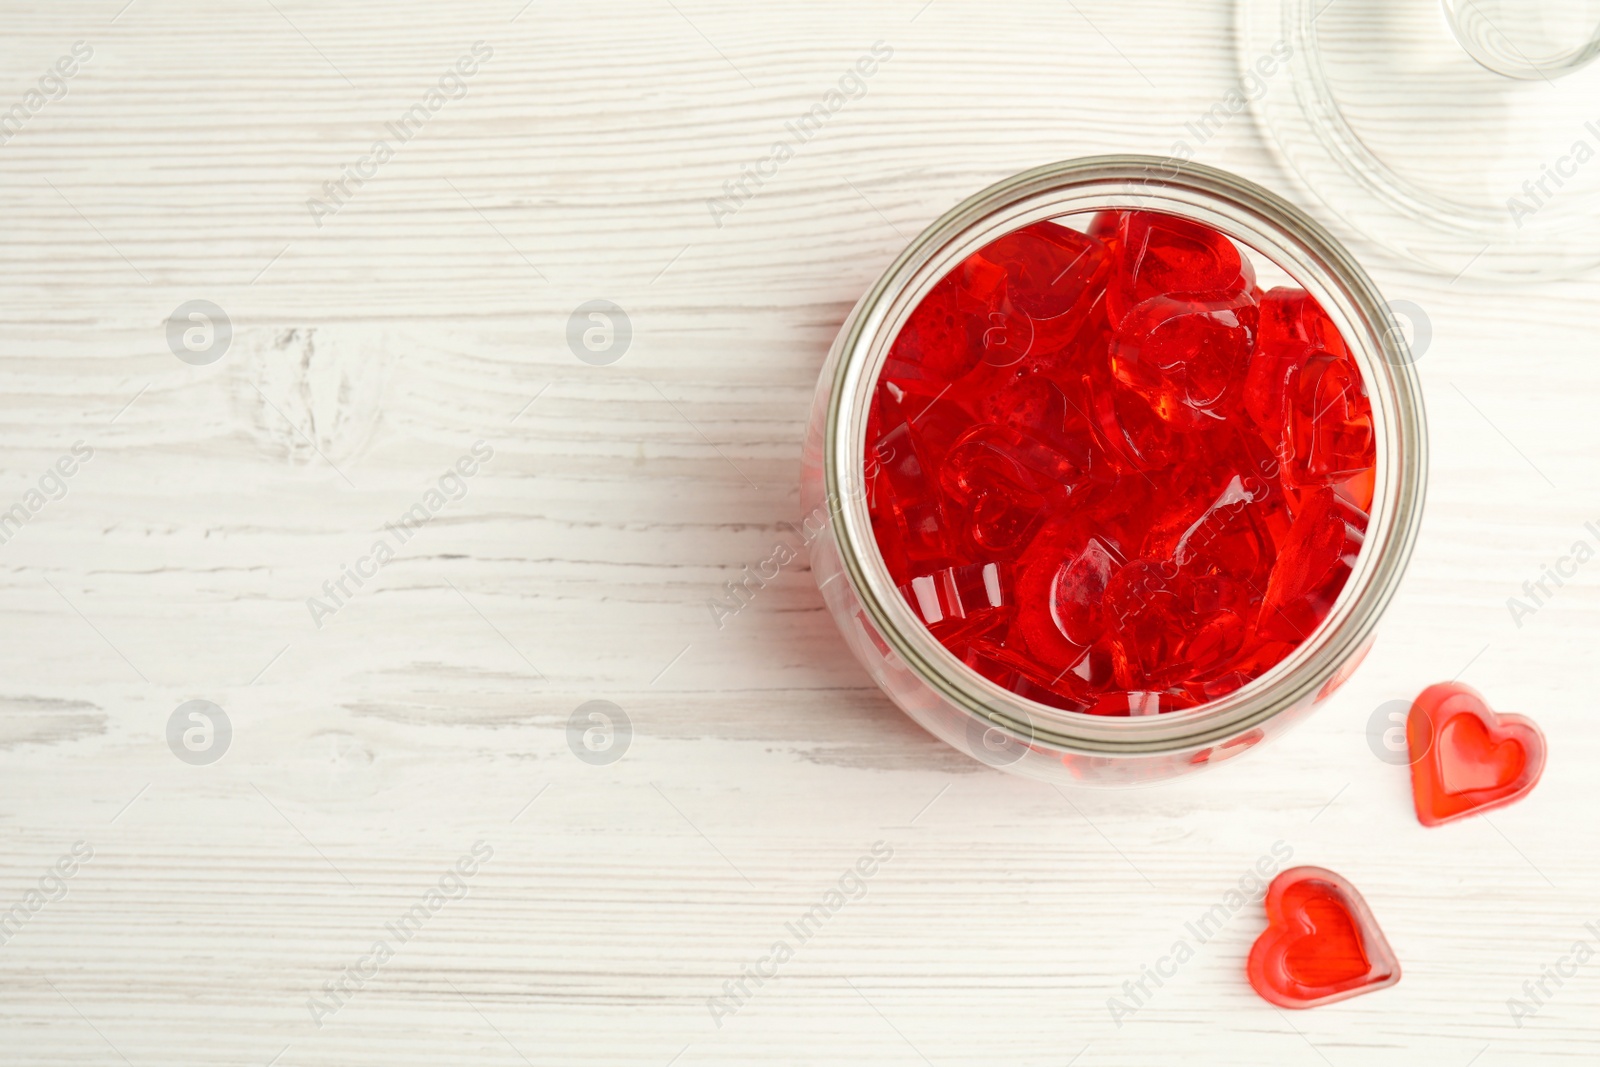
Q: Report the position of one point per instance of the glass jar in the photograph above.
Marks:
(974, 714)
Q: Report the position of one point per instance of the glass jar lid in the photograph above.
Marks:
(1462, 135)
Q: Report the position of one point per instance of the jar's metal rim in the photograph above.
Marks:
(1248, 213)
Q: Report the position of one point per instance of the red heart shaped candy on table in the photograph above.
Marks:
(1321, 943)
(1465, 758)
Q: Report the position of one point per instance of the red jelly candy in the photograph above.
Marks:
(1167, 627)
(1019, 672)
(1186, 356)
(1000, 519)
(1063, 580)
(1255, 659)
(1293, 329)
(1111, 474)
(1327, 434)
(958, 592)
(1292, 316)
(909, 437)
(1162, 255)
(946, 334)
(1054, 276)
(1135, 438)
(1035, 405)
(1024, 464)
(1233, 535)
(910, 497)
(1267, 381)
(1465, 758)
(1316, 558)
(1321, 943)
(1359, 489)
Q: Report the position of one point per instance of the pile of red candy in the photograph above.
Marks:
(1113, 475)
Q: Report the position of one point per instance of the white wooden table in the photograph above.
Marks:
(372, 344)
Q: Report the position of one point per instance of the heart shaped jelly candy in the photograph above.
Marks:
(905, 491)
(1168, 626)
(1054, 277)
(1327, 422)
(1186, 356)
(1154, 255)
(1292, 316)
(1292, 330)
(947, 333)
(1465, 758)
(1063, 579)
(1267, 381)
(1315, 559)
(1321, 943)
(1134, 437)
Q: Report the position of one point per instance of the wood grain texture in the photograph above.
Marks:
(370, 352)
